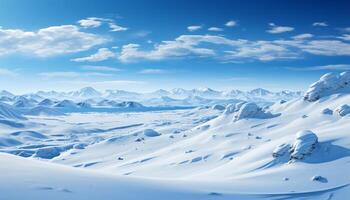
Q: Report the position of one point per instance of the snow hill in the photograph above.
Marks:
(299, 149)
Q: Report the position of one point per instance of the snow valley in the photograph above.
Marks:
(178, 144)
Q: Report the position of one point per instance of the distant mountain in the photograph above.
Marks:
(5, 93)
(86, 92)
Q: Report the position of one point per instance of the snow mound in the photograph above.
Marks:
(281, 150)
(8, 142)
(251, 110)
(7, 112)
(41, 110)
(129, 104)
(305, 143)
(151, 133)
(343, 110)
(218, 107)
(47, 152)
(327, 85)
(327, 111)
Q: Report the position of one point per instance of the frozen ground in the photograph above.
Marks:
(298, 149)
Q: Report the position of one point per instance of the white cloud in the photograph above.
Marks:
(92, 22)
(320, 24)
(235, 50)
(326, 47)
(215, 29)
(274, 29)
(101, 55)
(48, 41)
(345, 37)
(7, 72)
(302, 36)
(193, 28)
(100, 68)
(152, 71)
(180, 47)
(231, 23)
(322, 67)
(261, 50)
(116, 28)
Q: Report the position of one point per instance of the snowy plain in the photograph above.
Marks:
(179, 144)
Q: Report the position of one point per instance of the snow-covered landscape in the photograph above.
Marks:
(87, 145)
(174, 100)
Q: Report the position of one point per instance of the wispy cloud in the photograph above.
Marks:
(7, 72)
(345, 37)
(100, 68)
(59, 74)
(216, 29)
(94, 22)
(236, 50)
(322, 67)
(274, 29)
(101, 55)
(231, 23)
(153, 71)
(302, 36)
(320, 24)
(194, 28)
(71, 74)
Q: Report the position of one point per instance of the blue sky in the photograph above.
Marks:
(146, 45)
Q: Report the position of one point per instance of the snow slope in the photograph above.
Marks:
(298, 149)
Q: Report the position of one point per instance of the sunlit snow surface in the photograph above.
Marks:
(290, 150)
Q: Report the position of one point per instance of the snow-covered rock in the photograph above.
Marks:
(150, 133)
(281, 150)
(218, 107)
(305, 143)
(327, 85)
(343, 110)
(251, 110)
(327, 111)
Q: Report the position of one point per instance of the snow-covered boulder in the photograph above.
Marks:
(150, 133)
(281, 150)
(327, 111)
(343, 110)
(251, 110)
(218, 107)
(230, 108)
(47, 152)
(305, 143)
(327, 85)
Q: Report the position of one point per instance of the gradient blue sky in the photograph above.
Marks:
(145, 45)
